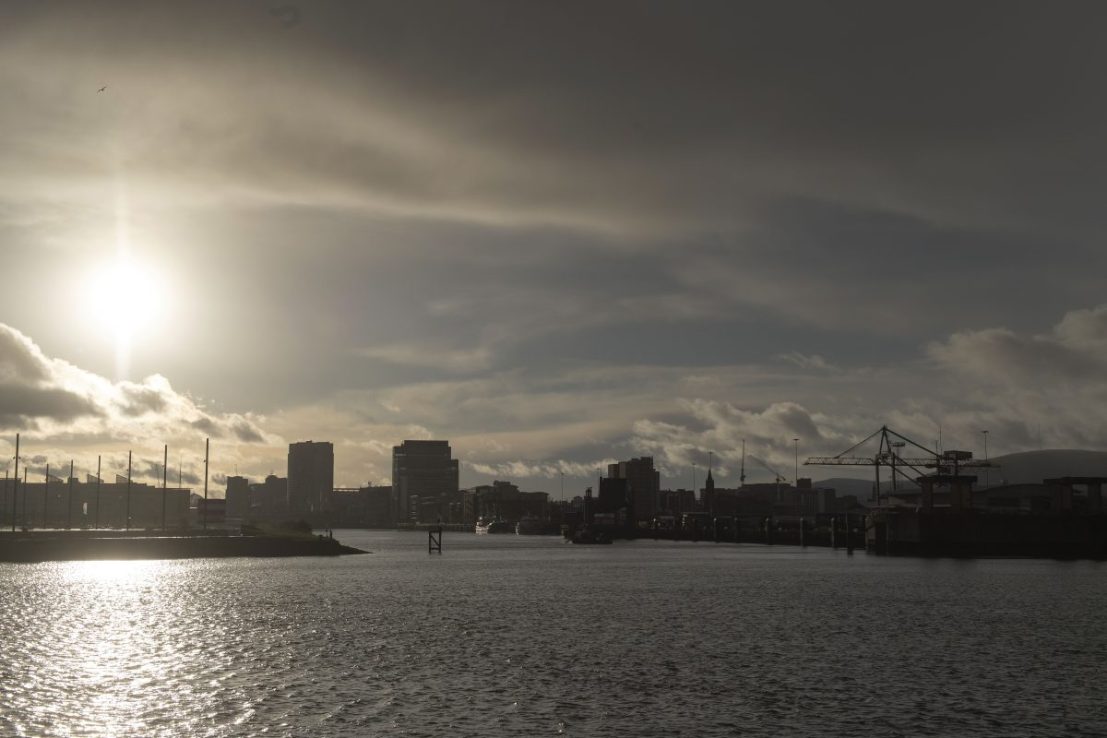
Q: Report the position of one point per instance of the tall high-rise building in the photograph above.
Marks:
(310, 476)
(421, 469)
(238, 497)
(643, 485)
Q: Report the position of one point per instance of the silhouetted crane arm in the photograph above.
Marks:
(768, 468)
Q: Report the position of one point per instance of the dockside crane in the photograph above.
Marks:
(889, 453)
(772, 471)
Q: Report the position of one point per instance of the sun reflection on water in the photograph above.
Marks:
(111, 572)
(110, 648)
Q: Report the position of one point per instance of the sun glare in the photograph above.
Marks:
(125, 300)
(128, 297)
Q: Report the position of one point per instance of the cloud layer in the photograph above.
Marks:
(556, 234)
(1028, 390)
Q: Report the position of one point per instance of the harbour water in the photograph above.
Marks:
(507, 636)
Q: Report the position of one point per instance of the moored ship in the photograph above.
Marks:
(493, 525)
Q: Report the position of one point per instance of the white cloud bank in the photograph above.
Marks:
(531, 427)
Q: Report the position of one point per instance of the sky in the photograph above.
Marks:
(555, 234)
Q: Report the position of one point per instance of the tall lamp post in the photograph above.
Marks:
(796, 441)
(986, 479)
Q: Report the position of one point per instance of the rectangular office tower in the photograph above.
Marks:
(310, 476)
(421, 469)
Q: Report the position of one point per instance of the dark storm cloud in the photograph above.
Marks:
(21, 403)
(67, 404)
(624, 116)
(988, 113)
(28, 390)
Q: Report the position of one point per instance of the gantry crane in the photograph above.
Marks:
(888, 453)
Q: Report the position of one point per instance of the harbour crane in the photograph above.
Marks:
(889, 452)
(772, 471)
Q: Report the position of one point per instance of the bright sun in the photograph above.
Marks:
(125, 301)
(127, 297)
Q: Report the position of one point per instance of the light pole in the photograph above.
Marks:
(986, 479)
(796, 441)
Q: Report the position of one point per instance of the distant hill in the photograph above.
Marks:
(1034, 466)
(1027, 467)
(843, 486)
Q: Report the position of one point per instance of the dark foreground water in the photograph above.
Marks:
(506, 635)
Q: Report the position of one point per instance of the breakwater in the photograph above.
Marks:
(105, 545)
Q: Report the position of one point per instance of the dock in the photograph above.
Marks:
(83, 545)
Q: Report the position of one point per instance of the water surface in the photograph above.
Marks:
(506, 635)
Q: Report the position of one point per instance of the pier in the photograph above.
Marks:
(37, 546)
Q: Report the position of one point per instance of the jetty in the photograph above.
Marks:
(103, 545)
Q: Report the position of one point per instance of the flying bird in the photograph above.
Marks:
(102, 88)
(287, 15)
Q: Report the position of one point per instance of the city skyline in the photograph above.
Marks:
(658, 233)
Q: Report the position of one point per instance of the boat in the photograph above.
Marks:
(493, 525)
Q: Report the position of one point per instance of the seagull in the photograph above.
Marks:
(102, 88)
(287, 15)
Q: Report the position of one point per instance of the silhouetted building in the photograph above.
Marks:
(643, 487)
(269, 499)
(211, 512)
(615, 502)
(376, 506)
(676, 502)
(708, 494)
(503, 501)
(310, 476)
(238, 497)
(421, 469)
(360, 507)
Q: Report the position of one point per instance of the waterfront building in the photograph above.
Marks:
(504, 501)
(269, 499)
(421, 469)
(238, 497)
(376, 502)
(676, 502)
(360, 507)
(643, 486)
(310, 476)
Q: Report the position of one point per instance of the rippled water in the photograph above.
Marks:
(505, 635)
